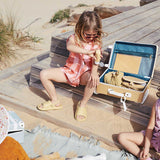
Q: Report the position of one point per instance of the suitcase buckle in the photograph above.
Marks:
(122, 97)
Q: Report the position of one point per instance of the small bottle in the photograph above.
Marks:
(101, 64)
(98, 56)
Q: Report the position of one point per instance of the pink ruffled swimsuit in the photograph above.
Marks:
(77, 64)
(155, 141)
(156, 132)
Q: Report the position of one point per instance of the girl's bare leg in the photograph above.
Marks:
(131, 142)
(49, 75)
(88, 91)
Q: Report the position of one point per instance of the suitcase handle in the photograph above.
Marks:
(122, 96)
(111, 91)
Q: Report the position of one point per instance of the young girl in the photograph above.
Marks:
(80, 68)
(150, 138)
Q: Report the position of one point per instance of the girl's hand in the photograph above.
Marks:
(92, 53)
(144, 154)
(94, 80)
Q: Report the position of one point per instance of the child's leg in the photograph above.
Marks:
(88, 91)
(49, 75)
(131, 142)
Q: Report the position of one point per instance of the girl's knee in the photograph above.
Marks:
(43, 74)
(121, 137)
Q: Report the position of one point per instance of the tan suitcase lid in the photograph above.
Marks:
(134, 58)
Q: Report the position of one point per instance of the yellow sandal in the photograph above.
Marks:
(48, 105)
(81, 111)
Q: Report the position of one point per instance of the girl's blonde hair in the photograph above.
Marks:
(89, 20)
(158, 92)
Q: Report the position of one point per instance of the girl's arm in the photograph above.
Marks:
(148, 134)
(72, 47)
(94, 74)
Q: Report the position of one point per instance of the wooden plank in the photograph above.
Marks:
(151, 38)
(156, 79)
(158, 56)
(35, 82)
(58, 45)
(43, 64)
(64, 35)
(34, 73)
(158, 42)
(149, 35)
(132, 21)
(56, 61)
(133, 32)
(144, 34)
(130, 13)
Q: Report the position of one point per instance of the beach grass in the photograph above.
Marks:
(4, 40)
(64, 14)
(82, 5)
(11, 36)
(60, 15)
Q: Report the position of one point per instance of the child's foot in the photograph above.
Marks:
(81, 113)
(48, 105)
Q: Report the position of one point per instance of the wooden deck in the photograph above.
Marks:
(140, 25)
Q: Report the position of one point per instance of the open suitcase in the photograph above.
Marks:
(133, 60)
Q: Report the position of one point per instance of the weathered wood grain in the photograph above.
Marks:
(128, 14)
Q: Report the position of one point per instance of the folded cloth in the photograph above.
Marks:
(101, 156)
(53, 156)
(10, 149)
(135, 80)
(4, 123)
(133, 83)
(137, 87)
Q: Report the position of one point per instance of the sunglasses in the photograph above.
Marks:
(90, 35)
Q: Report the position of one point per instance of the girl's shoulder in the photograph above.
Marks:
(72, 36)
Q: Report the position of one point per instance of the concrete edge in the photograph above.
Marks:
(4, 74)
